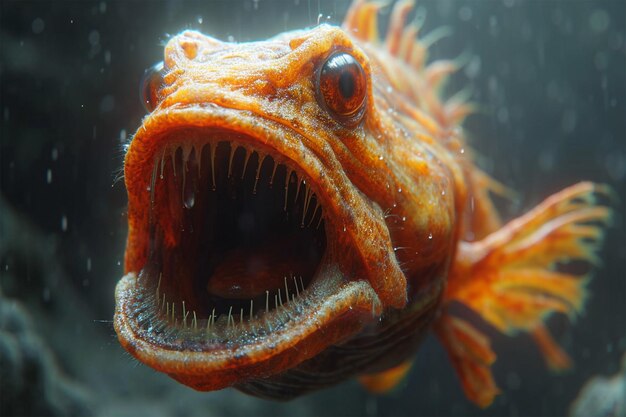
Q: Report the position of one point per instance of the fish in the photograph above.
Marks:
(306, 209)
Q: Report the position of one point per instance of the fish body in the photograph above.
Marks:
(305, 209)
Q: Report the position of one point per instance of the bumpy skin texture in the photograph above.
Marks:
(402, 202)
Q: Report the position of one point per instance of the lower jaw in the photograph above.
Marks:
(333, 310)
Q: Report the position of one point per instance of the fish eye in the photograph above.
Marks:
(342, 86)
(151, 82)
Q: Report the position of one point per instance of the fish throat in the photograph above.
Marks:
(237, 237)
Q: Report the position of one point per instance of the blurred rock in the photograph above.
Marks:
(602, 397)
(31, 382)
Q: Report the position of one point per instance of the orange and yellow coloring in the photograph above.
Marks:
(304, 209)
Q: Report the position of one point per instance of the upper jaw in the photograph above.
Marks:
(349, 216)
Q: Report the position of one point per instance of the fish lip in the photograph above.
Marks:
(350, 306)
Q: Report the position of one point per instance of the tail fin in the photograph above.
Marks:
(514, 280)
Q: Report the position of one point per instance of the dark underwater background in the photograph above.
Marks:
(550, 81)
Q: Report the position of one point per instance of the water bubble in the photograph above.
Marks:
(89, 264)
(64, 223)
(94, 38)
(49, 176)
(599, 20)
(38, 26)
(465, 13)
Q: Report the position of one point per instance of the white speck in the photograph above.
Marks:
(89, 264)
(399, 190)
(119, 263)
(403, 218)
(107, 103)
(64, 223)
(430, 236)
(462, 151)
(443, 192)
(465, 13)
(38, 26)
(231, 38)
(94, 38)
(200, 20)
(49, 176)
(380, 158)
(55, 154)
(123, 135)
(389, 89)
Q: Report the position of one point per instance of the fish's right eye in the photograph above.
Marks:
(151, 83)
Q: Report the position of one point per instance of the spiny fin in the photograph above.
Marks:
(471, 356)
(384, 381)
(513, 280)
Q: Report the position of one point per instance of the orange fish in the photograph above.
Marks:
(305, 209)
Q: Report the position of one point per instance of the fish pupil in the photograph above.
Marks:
(346, 84)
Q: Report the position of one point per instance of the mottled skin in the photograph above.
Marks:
(395, 190)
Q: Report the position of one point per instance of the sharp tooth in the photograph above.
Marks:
(286, 288)
(251, 305)
(230, 315)
(162, 162)
(233, 148)
(275, 301)
(195, 321)
(287, 178)
(301, 283)
(159, 287)
(167, 311)
(213, 148)
(241, 317)
(299, 182)
(267, 301)
(317, 206)
(307, 201)
(280, 298)
(163, 303)
(258, 172)
(295, 283)
(173, 312)
(184, 316)
(174, 151)
(245, 162)
(273, 172)
(320, 220)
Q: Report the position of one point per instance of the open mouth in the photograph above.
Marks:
(237, 239)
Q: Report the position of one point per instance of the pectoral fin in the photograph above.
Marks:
(514, 279)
